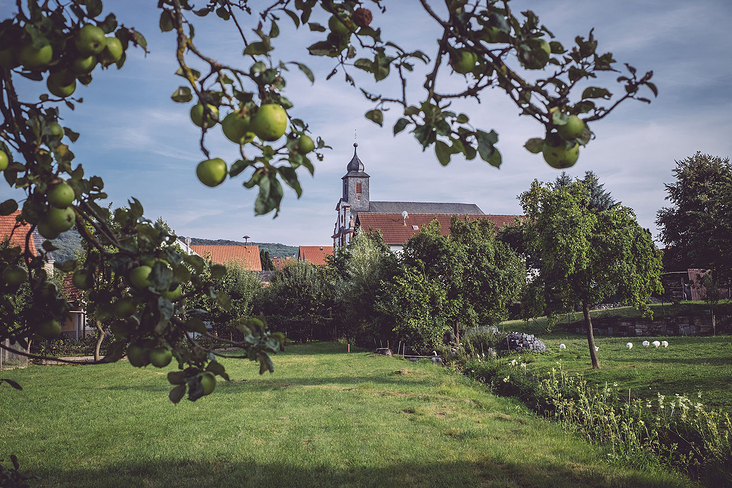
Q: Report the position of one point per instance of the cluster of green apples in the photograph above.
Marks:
(268, 123)
(87, 48)
(561, 147)
(60, 215)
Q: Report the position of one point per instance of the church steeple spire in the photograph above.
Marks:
(355, 164)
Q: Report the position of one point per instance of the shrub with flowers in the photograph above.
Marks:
(667, 431)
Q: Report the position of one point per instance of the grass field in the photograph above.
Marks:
(325, 418)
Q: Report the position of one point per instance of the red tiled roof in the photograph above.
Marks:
(397, 231)
(16, 235)
(314, 254)
(246, 256)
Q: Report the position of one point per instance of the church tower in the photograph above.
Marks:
(355, 199)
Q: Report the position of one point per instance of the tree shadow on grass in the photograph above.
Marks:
(218, 472)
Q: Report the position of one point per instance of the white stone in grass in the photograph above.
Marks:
(629, 345)
(656, 344)
(562, 346)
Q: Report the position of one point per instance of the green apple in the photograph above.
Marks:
(173, 294)
(197, 115)
(61, 195)
(112, 51)
(138, 356)
(212, 172)
(124, 307)
(236, 128)
(337, 27)
(139, 276)
(208, 381)
(3, 160)
(90, 40)
(14, 275)
(33, 58)
(47, 291)
(46, 231)
(82, 279)
(463, 61)
(305, 144)
(61, 83)
(55, 130)
(270, 122)
(83, 65)
(49, 329)
(160, 357)
(572, 129)
(61, 219)
(558, 153)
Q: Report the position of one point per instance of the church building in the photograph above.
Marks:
(397, 221)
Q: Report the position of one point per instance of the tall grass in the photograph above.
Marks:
(647, 434)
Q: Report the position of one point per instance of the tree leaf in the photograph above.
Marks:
(534, 145)
(306, 70)
(256, 48)
(442, 151)
(166, 21)
(177, 393)
(596, 92)
(293, 16)
(182, 95)
(94, 7)
(8, 207)
(375, 116)
(401, 124)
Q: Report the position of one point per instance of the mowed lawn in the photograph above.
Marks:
(324, 418)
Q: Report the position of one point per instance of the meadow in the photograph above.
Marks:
(324, 418)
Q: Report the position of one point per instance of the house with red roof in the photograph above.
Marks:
(397, 221)
(314, 254)
(16, 232)
(245, 256)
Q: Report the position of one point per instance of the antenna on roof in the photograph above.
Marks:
(404, 216)
(246, 240)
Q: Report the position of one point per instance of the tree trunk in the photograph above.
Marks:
(457, 332)
(100, 338)
(714, 323)
(590, 335)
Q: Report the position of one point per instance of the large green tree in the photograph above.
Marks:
(478, 274)
(697, 227)
(61, 43)
(587, 254)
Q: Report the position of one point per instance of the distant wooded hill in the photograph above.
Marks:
(276, 250)
(69, 243)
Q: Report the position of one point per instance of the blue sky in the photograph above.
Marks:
(144, 145)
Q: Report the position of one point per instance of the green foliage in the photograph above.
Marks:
(362, 267)
(588, 254)
(411, 305)
(696, 226)
(480, 275)
(299, 302)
